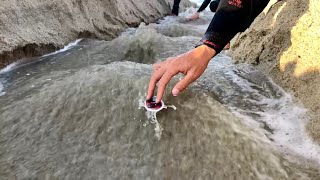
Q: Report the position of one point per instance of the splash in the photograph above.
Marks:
(152, 118)
(170, 106)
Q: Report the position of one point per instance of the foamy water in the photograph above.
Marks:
(8, 68)
(199, 2)
(264, 106)
(152, 117)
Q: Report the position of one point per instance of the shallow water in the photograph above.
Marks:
(77, 114)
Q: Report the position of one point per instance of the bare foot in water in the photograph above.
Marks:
(194, 16)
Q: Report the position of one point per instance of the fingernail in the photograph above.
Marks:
(175, 92)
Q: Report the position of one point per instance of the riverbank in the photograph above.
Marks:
(31, 28)
(284, 42)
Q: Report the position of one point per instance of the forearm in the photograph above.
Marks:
(204, 5)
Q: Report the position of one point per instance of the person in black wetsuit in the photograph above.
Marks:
(213, 6)
(231, 17)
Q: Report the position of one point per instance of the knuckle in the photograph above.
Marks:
(154, 66)
(193, 75)
(174, 69)
(154, 70)
(153, 78)
(170, 72)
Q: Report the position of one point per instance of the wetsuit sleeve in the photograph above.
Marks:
(231, 17)
(175, 8)
(204, 5)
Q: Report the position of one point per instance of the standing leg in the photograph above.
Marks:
(175, 8)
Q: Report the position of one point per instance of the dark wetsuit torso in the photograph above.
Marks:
(231, 17)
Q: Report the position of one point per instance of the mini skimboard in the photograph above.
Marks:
(152, 106)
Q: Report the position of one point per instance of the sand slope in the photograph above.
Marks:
(284, 42)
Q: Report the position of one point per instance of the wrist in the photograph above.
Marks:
(204, 53)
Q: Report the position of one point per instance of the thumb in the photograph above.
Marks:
(183, 84)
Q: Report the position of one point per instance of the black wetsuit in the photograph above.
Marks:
(175, 8)
(213, 5)
(231, 17)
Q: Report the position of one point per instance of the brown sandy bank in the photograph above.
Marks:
(32, 27)
(284, 42)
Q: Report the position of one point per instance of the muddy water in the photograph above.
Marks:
(76, 114)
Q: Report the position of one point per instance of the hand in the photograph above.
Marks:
(192, 64)
(194, 16)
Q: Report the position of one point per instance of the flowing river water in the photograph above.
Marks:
(76, 114)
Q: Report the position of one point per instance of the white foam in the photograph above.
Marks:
(171, 106)
(8, 68)
(151, 116)
(287, 120)
(15, 64)
(282, 115)
(67, 47)
(198, 2)
(288, 123)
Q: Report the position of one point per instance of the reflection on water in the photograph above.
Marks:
(77, 115)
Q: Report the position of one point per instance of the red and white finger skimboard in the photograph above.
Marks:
(152, 106)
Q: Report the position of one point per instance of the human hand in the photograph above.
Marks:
(192, 64)
(194, 16)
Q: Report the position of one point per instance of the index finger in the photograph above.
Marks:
(156, 75)
(163, 83)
